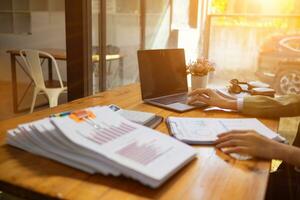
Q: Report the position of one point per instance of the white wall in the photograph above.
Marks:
(48, 31)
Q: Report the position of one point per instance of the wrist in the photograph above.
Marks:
(289, 154)
(229, 104)
(281, 152)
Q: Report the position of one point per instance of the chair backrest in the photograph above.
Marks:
(33, 63)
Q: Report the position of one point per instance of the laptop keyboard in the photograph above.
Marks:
(180, 98)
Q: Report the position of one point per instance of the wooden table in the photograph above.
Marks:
(213, 175)
(58, 54)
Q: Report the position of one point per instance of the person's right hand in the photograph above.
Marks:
(249, 143)
(212, 98)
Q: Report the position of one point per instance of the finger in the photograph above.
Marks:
(191, 100)
(230, 136)
(233, 132)
(230, 143)
(239, 150)
(224, 134)
(198, 98)
(199, 91)
(225, 95)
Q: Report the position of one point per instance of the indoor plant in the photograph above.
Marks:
(199, 70)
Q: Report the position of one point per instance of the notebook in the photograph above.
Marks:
(206, 130)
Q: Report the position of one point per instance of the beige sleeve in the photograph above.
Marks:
(262, 106)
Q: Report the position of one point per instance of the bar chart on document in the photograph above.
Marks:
(103, 133)
(144, 152)
(140, 151)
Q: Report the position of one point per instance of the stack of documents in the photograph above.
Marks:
(144, 118)
(98, 140)
(205, 130)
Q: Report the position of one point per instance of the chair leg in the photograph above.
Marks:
(53, 96)
(53, 101)
(35, 93)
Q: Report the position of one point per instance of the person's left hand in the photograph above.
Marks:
(247, 142)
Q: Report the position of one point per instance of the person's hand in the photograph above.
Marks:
(212, 98)
(249, 143)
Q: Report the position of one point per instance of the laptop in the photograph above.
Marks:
(163, 79)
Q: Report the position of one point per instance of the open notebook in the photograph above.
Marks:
(98, 140)
(206, 130)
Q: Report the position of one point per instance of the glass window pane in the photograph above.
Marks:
(128, 6)
(252, 46)
(123, 41)
(47, 33)
(21, 5)
(95, 44)
(6, 5)
(6, 21)
(158, 25)
(22, 23)
(57, 5)
(39, 5)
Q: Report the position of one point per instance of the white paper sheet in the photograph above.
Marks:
(135, 150)
(205, 131)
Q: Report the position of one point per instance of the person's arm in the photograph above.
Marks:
(289, 154)
(251, 143)
(263, 106)
(259, 106)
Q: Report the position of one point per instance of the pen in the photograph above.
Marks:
(62, 114)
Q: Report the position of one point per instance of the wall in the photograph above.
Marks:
(48, 31)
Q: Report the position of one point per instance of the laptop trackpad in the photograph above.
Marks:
(180, 106)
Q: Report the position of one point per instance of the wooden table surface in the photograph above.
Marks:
(213, 175)
(60, 54)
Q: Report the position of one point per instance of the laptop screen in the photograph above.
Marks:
(162, 72)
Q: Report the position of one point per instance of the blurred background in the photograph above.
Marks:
(246, 39)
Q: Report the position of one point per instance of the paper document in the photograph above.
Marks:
(205, 130)
(100, 140)
(132, 148)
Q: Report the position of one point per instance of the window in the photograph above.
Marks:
(15, 15)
